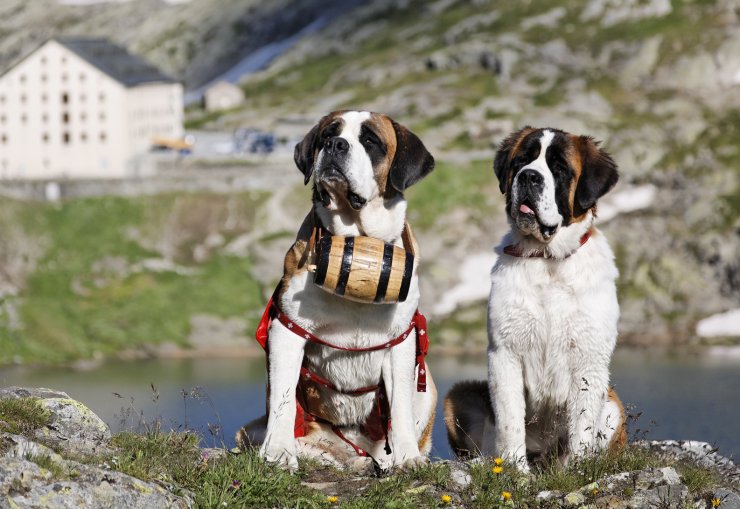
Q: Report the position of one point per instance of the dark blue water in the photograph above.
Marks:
(680, 397)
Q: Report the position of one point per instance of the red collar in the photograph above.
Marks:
(516, 250)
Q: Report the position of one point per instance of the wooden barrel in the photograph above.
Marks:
(363, 269)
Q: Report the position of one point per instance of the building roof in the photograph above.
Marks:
(128, 69)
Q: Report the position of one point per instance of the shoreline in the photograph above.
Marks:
(171, 351)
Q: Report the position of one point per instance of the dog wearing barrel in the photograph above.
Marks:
(552, 311)
(346, 356)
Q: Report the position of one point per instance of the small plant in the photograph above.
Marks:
(22, 416)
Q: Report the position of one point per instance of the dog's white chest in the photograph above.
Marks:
(555, 314)
(351, 325)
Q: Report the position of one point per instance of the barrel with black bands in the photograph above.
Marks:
(363, 269)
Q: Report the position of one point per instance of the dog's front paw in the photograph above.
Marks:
(407, 456)
(519, 461)
(413, 463)
(281, 455)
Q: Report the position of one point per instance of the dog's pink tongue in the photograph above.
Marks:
(525, 210)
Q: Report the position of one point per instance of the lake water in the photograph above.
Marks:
(681, 397)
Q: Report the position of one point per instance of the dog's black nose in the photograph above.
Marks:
(531, 179)
(336, 145)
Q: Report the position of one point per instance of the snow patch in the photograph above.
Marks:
(474, 285)
(722, 324)
(626, 200)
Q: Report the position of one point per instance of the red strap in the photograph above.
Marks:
(422, 348)
(358, 450)
(263, 329)
(300, 331)
(310, 375)
(516, 250)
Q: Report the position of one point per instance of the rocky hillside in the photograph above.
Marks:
(193, 40)
(656, 80)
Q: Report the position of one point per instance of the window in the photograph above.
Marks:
(24, 118)
(101, 97)
(43, 78)
(44, 117)
(102, 116)
(44, 98)
(83, 116)
(64, 60)
(65, 98)
(65, 118)
(23, 98)
(45, 137)
(82, 98)
(23, 78)
(2, 99)
(4, 138)
(102, 137)
(2, 119)
(64, 77)
(43, 60)
(83, 137)
(82, 76)
(65, 138)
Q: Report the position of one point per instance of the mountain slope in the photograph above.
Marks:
(656, 80)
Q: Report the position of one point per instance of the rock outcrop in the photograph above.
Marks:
(36, 471)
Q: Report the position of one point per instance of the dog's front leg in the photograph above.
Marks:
(585, 402)
(286, 357)
(506, 388)
(401, 392)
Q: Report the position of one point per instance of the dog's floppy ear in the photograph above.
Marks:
(412, 161)
(304, 153)
(502, 161)
(598, 174)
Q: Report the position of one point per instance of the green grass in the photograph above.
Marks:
(22, 416)
(472, 186)
(174, 460)
(89, 294)
(241, 480)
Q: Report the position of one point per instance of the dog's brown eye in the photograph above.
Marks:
(368, 141)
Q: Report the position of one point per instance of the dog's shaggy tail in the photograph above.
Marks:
(467, 410)
(252, 434)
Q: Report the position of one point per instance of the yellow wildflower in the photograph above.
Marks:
(595, 491)
(506, 495)
(499, 461)
(497, 470)
(716, 502)
(332, 499)
(446, 499)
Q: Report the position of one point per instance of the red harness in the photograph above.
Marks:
(378, 423)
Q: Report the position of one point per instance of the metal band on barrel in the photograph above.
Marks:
(323, 264)
(385, 273)
(408, 269)
(349, 247)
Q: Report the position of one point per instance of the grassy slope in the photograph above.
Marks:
(85, 296)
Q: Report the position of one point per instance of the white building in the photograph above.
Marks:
(222, 96)
(83, 108)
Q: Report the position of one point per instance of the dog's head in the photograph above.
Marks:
(358, 156)
(551, 179)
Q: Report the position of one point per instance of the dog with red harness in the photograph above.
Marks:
(345, 342)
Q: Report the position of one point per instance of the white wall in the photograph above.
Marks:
(102, 130)
(152, 109)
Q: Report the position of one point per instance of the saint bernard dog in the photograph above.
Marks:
(362, 163)
(552, 312)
